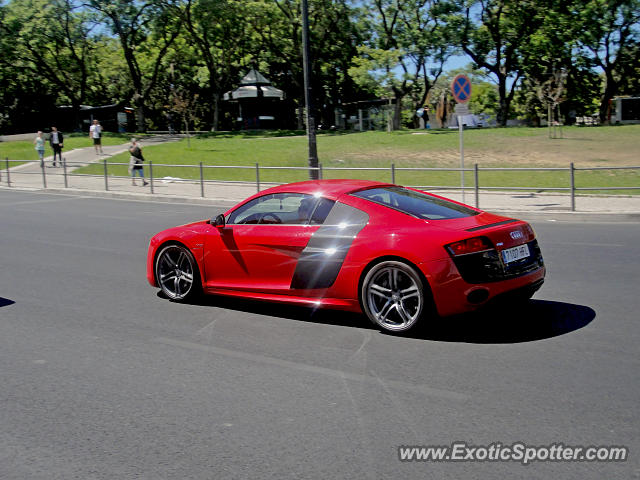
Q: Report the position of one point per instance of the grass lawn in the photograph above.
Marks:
(497, 147)
(512, 147)
(25, 150)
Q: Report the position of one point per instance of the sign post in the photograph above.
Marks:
(461, 90)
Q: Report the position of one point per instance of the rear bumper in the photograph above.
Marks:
(453, 295)
(522, 292)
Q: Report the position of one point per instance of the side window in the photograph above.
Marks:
(277, 208)
(321, 211)
(416, 204)
(247, 213)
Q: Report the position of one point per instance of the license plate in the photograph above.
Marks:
(516, 253)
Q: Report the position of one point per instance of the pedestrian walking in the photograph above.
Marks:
(39, 143)
(56, 142)
(135, 163)
(95, 133)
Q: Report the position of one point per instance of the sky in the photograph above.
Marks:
(456, 61)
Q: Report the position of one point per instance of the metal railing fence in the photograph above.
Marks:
(201, 175)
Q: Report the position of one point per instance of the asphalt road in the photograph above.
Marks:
(100, 378)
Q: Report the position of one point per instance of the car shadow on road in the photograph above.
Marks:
(282, 310)
(496, 323)
(511, 323)
(5, 302)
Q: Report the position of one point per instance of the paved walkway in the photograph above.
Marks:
(30, 176)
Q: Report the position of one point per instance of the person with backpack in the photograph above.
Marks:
(135, 163)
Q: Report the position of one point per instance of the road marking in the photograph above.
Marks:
(365, 341)
(369, 379)
(208, 329)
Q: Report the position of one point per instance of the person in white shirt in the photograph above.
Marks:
(95, 132)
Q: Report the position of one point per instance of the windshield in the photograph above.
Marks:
(416, 204)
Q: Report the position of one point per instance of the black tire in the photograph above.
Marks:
(392, 296)
(177, 273)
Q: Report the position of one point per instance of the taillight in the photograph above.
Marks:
(470, 245)
(529, 231)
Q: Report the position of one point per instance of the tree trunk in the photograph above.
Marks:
(610, 90)
(423, 103)
(503, 109)
(397, 108)
(138, 104)
(77, 119)
(300, 116)
(397, 114)
(216, 112)
(416, 119)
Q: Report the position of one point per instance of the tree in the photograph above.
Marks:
(610, 33)
(551, 93)
(336, 30)
(111, 82)
(54, 41)
(631, 83)
(218, 30)
(185, 107)
(494, 34)
(407, 50)
(146, 30)
(548, 61)
(275, 46)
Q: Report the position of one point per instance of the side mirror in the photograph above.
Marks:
(218, 222)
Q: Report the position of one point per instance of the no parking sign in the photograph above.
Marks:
(461, 88)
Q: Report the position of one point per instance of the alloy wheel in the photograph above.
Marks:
(393, 296)
(176, 272)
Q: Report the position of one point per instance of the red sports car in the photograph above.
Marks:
(395, 253)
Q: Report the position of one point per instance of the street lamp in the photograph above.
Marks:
(311, 127)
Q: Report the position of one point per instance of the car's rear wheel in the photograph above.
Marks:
(393, 295)
(177, 272)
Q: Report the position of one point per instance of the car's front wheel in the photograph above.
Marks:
(393, 295)
(177, 272)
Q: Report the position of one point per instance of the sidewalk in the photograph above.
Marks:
(30, 176)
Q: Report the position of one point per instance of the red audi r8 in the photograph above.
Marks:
(395, 253)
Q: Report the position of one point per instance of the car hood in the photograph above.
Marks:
(194, 224)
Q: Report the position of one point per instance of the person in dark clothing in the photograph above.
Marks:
(135, 163)
(56, 142)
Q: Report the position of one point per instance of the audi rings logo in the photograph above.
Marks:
(516, 235)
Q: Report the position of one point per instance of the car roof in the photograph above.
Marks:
(327, 188)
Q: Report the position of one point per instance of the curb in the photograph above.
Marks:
(571, 217)
(549, 215)
(140, 197)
